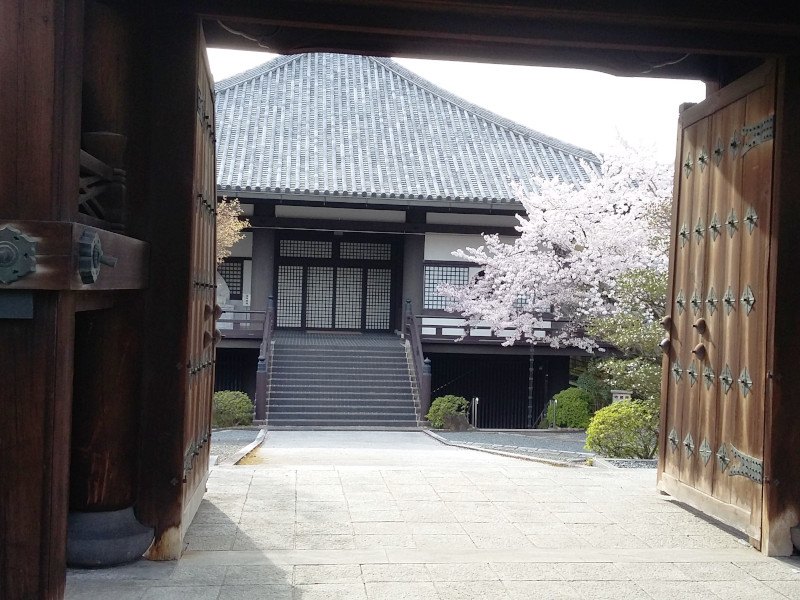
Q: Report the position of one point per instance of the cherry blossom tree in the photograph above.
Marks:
(575, 246)
(229, 226)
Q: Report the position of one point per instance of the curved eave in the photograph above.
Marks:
(372, 200)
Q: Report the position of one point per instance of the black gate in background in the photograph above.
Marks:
(501, 383)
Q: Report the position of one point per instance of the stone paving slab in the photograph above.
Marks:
(385, 515)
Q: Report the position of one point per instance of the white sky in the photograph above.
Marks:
(585, 108)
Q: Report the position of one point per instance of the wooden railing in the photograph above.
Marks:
(412, 329)
(262, 370)
(240, 324)
(447, 328)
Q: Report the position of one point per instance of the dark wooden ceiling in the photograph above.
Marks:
(713, 41)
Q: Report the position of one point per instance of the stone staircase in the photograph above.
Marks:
(336, 380)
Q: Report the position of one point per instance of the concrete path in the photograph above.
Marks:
(391, 515)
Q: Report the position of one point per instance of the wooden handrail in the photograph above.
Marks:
(242, 312)
(412, 328)
(263, 361)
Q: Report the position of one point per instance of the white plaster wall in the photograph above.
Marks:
(469, 219)
(340, 214)
(247, 279)
(439, 246)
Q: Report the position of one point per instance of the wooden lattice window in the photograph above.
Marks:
(306, 249)
(441, 273)
(232, 271)
(290, 296)
(365, 251)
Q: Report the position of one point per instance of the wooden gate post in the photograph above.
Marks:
(781, 449)
(40, 67)
(179, 304)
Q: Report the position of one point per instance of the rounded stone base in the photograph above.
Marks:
(105, 539)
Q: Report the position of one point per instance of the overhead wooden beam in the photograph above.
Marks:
(676, 39)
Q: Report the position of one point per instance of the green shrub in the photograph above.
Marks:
(446, 405)
(231, 408)
(572, 408)
(625, 429)
(596, 386)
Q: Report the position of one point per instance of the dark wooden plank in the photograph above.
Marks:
(106, 408)
(56, 446)
(95, 300)
(10, 67)
(389, 26)
(173, 55)
(34, 440)
(782, 467)
(40, 65)
(667, 461)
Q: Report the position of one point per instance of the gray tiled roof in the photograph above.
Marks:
(364, 126)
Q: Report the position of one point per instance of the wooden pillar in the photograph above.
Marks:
(263, 274)
(782, 418)
(106, 402)
(40, 67)
(413, 270)
(174, 106)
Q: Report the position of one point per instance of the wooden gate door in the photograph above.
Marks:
(202, 299)
(715, 372)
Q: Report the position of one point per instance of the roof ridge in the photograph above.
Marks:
(264, 67)
(482, 112)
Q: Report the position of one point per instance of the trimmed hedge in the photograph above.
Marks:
(625, 429)
(231, 408)
(572, 408)
(446, 405)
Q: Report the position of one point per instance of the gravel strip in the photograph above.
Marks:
(225, 443)
(632, 463)
(559, 446)
(544, 441)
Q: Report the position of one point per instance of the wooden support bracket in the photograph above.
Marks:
(57, 258)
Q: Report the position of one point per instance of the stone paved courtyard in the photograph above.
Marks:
(397, 515)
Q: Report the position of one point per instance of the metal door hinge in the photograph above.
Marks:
(760, 133)
(749, 466)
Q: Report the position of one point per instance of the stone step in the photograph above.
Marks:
(354, 403)
(284, 413)
(363, 384)
(339, 421)
(339, 384)
(341, 378)
(296, 371)
(307, 351)
(337, 362)
(338, 394)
